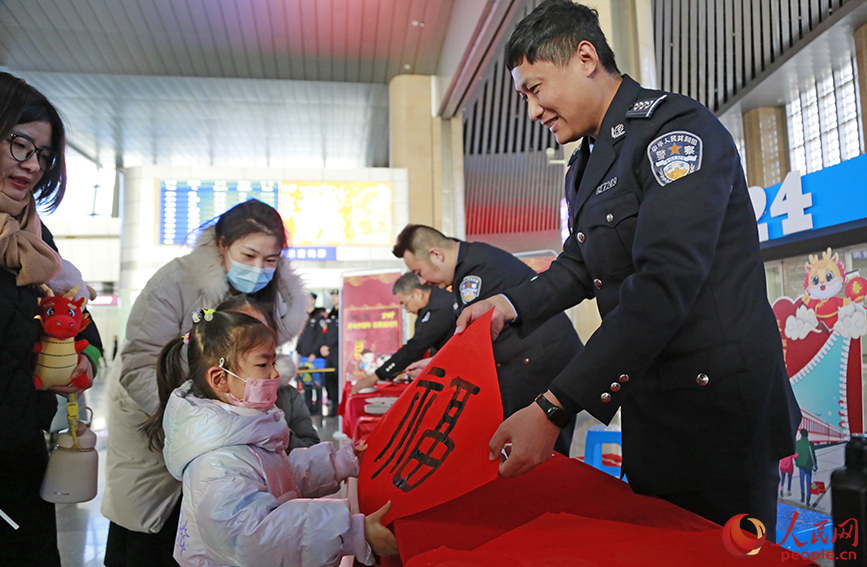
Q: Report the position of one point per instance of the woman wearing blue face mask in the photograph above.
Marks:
(240, 254)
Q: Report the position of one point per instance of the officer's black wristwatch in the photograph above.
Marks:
(556, 414)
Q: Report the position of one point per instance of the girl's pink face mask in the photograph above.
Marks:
(259, 394)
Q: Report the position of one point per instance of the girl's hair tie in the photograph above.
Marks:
(187, 338)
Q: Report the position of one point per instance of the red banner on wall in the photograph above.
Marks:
(371, 324)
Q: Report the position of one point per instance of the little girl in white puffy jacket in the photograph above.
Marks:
(245, 502)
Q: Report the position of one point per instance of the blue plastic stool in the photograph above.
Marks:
(593, 449)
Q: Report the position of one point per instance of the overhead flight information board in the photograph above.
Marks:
(316, 214)
(186, 204)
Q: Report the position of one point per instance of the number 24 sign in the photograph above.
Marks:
(790, 201)
(830, 198)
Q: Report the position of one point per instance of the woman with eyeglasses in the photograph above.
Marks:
(32, 173)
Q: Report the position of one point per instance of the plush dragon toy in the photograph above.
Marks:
(57, 351)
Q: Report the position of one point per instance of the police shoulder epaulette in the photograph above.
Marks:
(645, 108)
(574, 155)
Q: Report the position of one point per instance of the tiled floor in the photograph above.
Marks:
(82, 529)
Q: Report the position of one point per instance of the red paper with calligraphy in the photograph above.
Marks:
(432, 445)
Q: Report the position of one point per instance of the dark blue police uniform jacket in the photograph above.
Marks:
(312, 338)
(663, 235)
(525, 365)
(434, 326)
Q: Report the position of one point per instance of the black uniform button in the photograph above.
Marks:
(580, 237)
(598, 283)
(615, 387)
(606, 397)
(526, 361)
(702, 379)
(610, 217)
(624, 378)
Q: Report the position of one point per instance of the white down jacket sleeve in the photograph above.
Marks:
(319, 469)
(241, 523)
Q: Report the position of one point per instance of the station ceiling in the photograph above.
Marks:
(224, 82)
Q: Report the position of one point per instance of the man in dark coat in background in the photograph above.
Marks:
(310, 342)
(330, 351)
(475, 270)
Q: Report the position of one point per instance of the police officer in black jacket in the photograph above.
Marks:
(308, 347)
(330, 350)
(436, 314)
(312, 337)
(662, 234)
(527, 363)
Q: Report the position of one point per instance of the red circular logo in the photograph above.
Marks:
(743, 543)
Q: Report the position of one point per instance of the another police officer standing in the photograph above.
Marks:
(330, 351)
(663, 234)
(309, 343)
(475, 270)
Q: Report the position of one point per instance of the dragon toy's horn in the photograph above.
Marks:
(47, 290)
(71, 293)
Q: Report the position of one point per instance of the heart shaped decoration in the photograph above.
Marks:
(800, 352)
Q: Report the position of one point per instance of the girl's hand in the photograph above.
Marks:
(380, 538)
(359, 450)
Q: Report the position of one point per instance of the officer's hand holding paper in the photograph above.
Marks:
(503, 312)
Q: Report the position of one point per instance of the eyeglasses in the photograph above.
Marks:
(23, 147)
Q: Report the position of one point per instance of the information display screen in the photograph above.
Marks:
(186, 204)
(316, 214)
(336, 214)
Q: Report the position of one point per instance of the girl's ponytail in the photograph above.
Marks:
(170, 375)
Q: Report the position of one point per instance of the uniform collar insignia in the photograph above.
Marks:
(617, 131)
(645, 108)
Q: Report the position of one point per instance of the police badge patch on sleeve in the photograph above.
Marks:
(471, 287)
(674, 155)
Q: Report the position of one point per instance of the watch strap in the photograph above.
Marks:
(554, 413)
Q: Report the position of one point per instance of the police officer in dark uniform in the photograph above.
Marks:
(308, 348)
(435, 311)
(663, 235)
(311, 337)
(330, 350)
(475, 270)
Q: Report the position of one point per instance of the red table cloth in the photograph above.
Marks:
(351, 407)
(565, 513)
